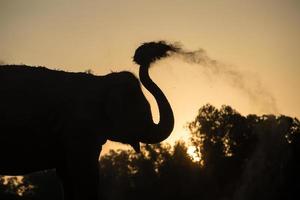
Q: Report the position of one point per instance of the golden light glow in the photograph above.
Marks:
(227, 149)
(192, 151)
(16, 182)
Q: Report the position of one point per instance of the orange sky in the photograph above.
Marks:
(259, 38)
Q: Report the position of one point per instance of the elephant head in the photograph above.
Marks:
(136, 109)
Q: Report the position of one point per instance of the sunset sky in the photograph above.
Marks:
(259, 39)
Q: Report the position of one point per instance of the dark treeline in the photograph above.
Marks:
(239, 158)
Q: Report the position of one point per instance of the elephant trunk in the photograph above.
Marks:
(157, 132)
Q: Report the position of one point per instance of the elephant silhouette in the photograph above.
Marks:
(56, 119)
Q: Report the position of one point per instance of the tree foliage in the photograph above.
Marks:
(241, 157)
(250, 156)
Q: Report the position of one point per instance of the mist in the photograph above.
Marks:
(249, 84)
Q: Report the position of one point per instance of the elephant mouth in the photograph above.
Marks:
(136, 146)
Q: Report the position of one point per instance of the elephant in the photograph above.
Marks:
(56, 119)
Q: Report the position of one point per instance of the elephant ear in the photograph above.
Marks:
(115, 109)
(121, 111)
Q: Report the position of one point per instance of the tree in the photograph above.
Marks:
(242, 157)
(247, 157)
(14, 188)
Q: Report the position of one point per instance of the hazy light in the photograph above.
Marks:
(192, 151)
(17, 182)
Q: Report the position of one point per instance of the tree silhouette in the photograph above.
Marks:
(241, 157)
(12, 188)
(247, 157)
